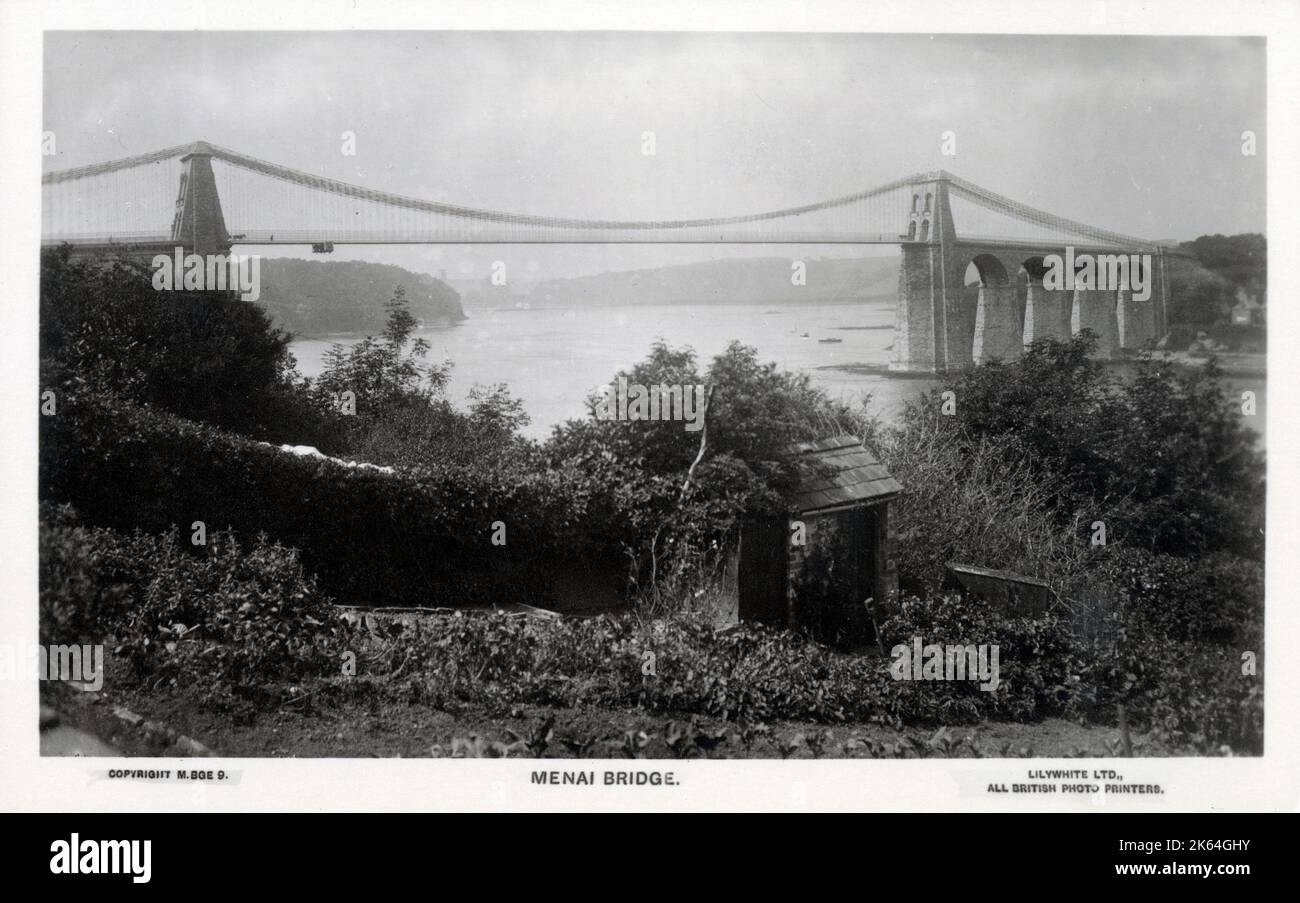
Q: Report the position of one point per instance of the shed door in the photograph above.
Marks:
(764, 550)
(866, 528)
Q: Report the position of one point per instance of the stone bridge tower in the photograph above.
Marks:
(198, 225)
(927, 284)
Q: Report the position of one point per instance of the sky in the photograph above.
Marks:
(1142, 135)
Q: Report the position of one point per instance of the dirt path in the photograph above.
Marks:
(394, 730)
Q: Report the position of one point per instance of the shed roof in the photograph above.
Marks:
(837, 472)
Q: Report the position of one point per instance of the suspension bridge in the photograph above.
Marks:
(208, 199)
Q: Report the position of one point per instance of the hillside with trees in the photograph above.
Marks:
(1214, 274)
(315, 298)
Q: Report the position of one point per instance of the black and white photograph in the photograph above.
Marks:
(643, 396)
(655, 395)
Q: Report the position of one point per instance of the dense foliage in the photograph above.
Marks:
(1205, 287)
(974, 502)
(201, 355)
(421, 536)
(246, 625)
(230, 619)
(385, 371)
(674, 497)
(1164, 458)
(1242, 259)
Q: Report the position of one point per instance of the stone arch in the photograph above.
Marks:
(985, 270)
(1034, 268)
(911, 230)
(925, 230)
(998, 326)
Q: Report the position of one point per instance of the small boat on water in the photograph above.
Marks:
(829, 341)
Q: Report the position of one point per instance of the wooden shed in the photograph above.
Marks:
(816, 566)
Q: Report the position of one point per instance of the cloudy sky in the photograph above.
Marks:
(1141, 135)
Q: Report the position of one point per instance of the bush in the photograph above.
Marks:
(976, 502)
(1035, 655)
(228, 619)
(423, 433)
(87, 577)
(1216, 600)
(1164, 458)
(1189, 694)
(747, 673)
(1202, 700)
(1164, 637)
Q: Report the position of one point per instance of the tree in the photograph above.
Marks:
(637, 469)
(1205, 288)
(1240, 259)
(1163, 458)
(206, 356)
(383, 373)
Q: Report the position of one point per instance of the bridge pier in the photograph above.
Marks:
(933, 323)
(1134, 320)
(998, 327)
(1094, 309)
(1159, 298)
(1047, 313)
(962, 314)
(916, 321)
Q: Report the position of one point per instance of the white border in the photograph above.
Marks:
(28, 782)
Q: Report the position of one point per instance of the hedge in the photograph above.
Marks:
(407, 538)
